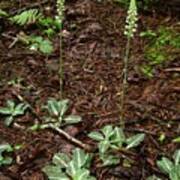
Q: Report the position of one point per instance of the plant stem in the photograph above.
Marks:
(61, 65)
(124, 86)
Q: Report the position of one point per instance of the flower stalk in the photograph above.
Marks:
(60, 5)
(130, 29)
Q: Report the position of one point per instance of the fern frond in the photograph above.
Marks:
(3, 13)
(26, 17)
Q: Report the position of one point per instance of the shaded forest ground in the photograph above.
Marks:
(94, 46)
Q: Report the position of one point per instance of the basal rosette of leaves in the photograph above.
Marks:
(111, 138)
(72, 167)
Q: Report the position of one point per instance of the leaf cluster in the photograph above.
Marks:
(57, 115)
(110, 138)
(5, 148)
(12, 110)
(171, 168)
(64, 167)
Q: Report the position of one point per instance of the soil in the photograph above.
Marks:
(93, 51)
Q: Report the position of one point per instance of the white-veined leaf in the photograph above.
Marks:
(107, 131)
(135, 140)
(176, 157)
(63, 104)
(8, 120)
(165, 165)
(61, 160)
(20, 108)
(110, 160)
(5, 111)
(54, 173)
(72, 119)
(53, 107)
(103, 146)
(79, 157)
(96, 136)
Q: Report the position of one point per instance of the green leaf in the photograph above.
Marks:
(96, 136)
(72, 119)
(72, 168)
(54, 173)
(11, 105)
(63, 104)
(6, 161)
(5, 148)
(107, 131)
(176, 157)
(177, 140)
(79, 157)
(103, 146)
(9, 120)
(3, 13)
(20, 108)
(82, 174)
(5, 111)
(61, 160)
(53, 107)
(26, 17)
(135, 140)
(165, 165)
(46, 47)
(118, 137)
(175, 173)
(109, 160)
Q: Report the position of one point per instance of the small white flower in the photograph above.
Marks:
(131, 19)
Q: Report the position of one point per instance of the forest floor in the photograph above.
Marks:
(93, 50)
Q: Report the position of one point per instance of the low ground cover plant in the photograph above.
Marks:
(12, 110)
(162, 48)
(72, 167)
(111, 138)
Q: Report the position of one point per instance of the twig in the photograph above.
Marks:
(175, 69)
(15, 39)
(72, 139)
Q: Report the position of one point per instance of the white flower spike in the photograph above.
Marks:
(131, 25)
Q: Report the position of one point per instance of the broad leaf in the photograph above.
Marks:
(61, 160)
(96, 136)
(5, 148)
(72, 119)
(175, 173)
(54, 173)
(20, 108)
(3, 13)
(11, 105)
(82, 174)
(103, 146)
(63, 105)
(9, 120)
(53, 107)
(5, 111)
(177, 140)
(107, 131)
(118, 138)
(72, 168)
(165, 165)
(135, 140)
(79, 157)
(176, 157)
(109, 160)
(46, 47)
